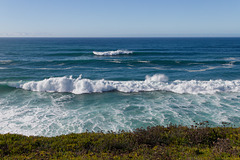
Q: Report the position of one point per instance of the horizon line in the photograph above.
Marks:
(134, 37)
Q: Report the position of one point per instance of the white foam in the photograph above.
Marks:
(230, 64)
(5, 61)
(112, 53)
(157, 82)
(115, 61)
(227, 65)
(205, 69)
(44, 114)
(231, 59)
(144, 61)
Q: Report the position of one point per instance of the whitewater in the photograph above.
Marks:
(112, 53)
(156, 82)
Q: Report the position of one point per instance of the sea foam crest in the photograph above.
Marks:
(112, 53)
(157, 82)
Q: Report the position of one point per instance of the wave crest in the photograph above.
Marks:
(112, 53)
(157, 82)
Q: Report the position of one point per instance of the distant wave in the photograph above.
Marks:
(157, 82)
(112, 53)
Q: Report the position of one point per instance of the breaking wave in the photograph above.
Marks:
(112, 53)
(157, 82)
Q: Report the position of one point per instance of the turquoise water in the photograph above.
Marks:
(54, 86)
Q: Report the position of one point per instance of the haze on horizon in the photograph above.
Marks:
(125, 18)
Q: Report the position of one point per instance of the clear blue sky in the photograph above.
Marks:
(119, 18)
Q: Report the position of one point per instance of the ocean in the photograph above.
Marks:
(55, 86)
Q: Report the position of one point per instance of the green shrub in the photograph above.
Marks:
(171, 142)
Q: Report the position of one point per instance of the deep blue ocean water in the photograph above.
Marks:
(54, 86)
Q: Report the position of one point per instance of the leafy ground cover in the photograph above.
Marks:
(171, 142)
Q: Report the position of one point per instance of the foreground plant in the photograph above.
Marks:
(172, 142)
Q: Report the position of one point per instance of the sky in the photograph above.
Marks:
(119, 18)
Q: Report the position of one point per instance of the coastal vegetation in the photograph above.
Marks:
(199, 141)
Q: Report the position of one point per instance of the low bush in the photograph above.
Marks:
(171, 142)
